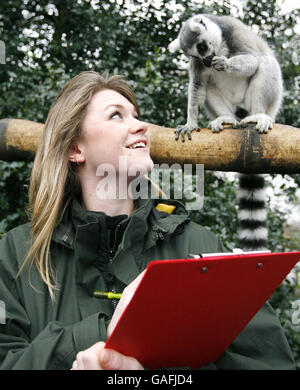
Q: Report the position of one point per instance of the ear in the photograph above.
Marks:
(197, 24)
(174, 46)
(76, 155)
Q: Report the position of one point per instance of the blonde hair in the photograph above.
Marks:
(53, 179)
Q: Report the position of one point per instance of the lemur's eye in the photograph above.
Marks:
(202, 47)
(203, 24)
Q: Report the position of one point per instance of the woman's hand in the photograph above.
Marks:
(98, 358)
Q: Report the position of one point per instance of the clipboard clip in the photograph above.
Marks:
(235, 251)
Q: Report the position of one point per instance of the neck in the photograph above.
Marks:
(103, 195)
(110, 207)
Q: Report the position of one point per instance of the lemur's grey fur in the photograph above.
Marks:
(236, 77)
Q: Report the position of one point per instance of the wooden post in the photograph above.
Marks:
(236, 150)
(19, 139)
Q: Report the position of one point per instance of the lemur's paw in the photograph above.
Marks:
(217, 124)
(219, 63)
(263, 122)
(183, 130)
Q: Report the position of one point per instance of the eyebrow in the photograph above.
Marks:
(119, 106)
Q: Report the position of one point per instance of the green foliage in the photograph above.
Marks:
(14, 178)
(47, 43)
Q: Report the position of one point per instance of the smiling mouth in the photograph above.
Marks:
(137, 145)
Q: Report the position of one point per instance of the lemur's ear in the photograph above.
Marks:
(174, 46)
(194, 26)
(197, 24)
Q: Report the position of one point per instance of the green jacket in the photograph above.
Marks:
(40, 335)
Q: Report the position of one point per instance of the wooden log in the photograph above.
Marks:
(236, 150)
(19, 139)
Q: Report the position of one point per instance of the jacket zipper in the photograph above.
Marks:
(159, 234)
(110, 260)
(113, 287)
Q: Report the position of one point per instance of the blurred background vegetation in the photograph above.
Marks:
(48, 42)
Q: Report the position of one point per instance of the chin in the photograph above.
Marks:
(149, 164)
(140, 166)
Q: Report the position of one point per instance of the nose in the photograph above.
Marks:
(138, 126)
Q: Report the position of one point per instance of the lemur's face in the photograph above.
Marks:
(198, 39)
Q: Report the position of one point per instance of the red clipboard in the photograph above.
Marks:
(187, 312)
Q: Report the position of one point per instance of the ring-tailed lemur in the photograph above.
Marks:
(236, 77)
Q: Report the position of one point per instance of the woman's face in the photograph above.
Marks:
(112, 134)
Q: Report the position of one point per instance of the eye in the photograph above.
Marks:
(202, 47)
(116, 115)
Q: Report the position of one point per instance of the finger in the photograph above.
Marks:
(89, 359)
(79, 363)
(80, 360)
(74, 365)
(113, 360)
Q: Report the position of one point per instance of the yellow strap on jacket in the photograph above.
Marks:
(165, 208)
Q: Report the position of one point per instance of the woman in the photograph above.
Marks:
(85, 235)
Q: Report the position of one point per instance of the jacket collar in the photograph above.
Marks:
(76, 218)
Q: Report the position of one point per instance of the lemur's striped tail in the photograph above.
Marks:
(252, 213)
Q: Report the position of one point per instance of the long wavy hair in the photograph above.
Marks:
(53, 180)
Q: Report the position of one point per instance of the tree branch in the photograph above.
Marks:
(236, 150)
